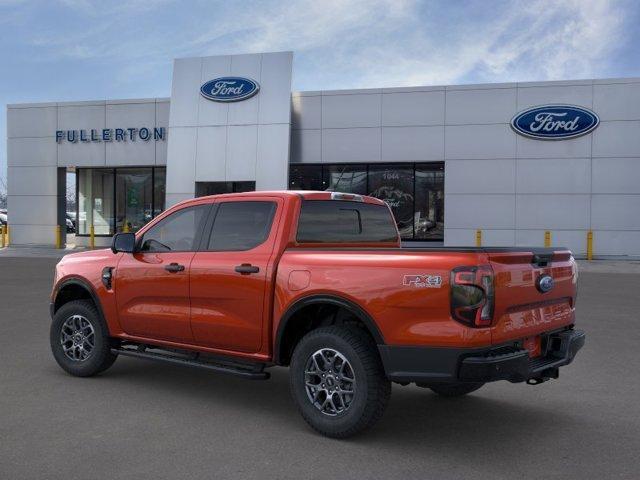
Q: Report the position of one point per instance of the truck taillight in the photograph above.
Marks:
(473, 295)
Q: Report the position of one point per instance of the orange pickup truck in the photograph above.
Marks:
(316, 281)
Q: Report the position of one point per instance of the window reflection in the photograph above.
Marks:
(394, 186)
(429, 204)
(133, 199)
(95, 201)
(346, 178)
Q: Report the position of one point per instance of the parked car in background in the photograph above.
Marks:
(71, 224)
(3, 217)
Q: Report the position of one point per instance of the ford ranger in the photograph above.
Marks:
(318, 282)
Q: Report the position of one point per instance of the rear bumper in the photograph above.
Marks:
(507, 362)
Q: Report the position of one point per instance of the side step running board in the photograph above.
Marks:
(248, 371)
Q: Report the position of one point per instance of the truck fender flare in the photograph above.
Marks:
(352, 307)
(85, 286)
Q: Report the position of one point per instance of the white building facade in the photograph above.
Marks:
(512, 160)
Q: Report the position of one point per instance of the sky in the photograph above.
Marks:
(62, 50)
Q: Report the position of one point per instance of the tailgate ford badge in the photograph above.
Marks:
(544, 283)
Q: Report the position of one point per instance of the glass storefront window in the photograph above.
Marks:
(394, 185)
(429, 204)
(159, 190)
(133, 198)
(345, 178)
(217, 188)
(117, 199)
(306, 177)
(414, 191)
(95, 201)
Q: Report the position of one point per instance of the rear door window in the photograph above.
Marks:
(337, 221)
(241, 225)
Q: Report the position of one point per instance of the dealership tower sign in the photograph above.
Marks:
(555, 122)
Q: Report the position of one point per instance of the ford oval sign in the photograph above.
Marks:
(544, 283)
(229, 89)
(555, 122)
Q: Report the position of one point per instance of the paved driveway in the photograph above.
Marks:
(148, 420)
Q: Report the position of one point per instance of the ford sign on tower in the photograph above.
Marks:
(229, 89)
(555, 122)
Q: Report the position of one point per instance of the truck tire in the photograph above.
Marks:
(455, 389)
(338, 382)
(80, 340)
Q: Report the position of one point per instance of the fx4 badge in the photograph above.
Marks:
(422, 281)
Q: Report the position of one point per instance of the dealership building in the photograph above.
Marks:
(516, 161)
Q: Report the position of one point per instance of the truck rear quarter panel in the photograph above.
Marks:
(406, 313)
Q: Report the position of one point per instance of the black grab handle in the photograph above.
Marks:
(247, 268)
(174, 267)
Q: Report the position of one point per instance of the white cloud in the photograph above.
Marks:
(389, 43)
(361, 43)
(532, 41)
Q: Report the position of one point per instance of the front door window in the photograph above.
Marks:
(176, 233)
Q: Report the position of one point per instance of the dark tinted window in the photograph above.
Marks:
(217, 188)
(328, 221)
(241, 225)
(306, 177)
(177, 232)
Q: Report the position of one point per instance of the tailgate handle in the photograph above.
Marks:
(542, 260)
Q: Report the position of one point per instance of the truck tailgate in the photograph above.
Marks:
(522, 308)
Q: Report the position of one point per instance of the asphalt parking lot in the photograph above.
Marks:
(147, 420)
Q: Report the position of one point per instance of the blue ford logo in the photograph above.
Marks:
(555, 122)
(544, 283)
(229, 89)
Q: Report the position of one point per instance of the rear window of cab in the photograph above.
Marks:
(338, 221)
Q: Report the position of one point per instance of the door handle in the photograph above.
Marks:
(247, 268)
(174, 267)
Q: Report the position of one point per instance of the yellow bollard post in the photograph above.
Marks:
(478, 238)
(58, 237)
(7, 238)
(589, 245)
(1, 236)
(125, 227)
(547, 238)
(92, 237)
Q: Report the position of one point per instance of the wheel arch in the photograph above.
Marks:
(76, 289)
(287, 330)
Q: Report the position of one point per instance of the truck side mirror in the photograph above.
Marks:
(123, 242)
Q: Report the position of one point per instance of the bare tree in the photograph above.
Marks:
(3, 193)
